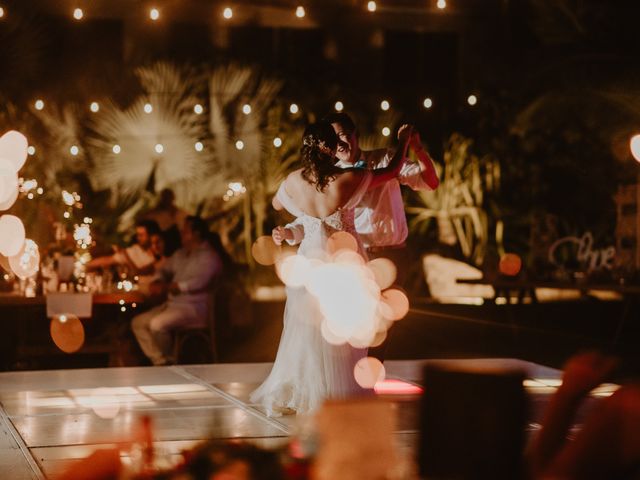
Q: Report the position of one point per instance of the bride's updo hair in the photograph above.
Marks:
(319, 143)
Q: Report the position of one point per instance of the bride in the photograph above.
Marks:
(323, 197)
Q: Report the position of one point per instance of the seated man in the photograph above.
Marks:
(138, 257)
(187, 275)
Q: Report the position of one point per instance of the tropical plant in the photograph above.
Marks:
(457, 206)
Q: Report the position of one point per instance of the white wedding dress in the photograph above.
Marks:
(308, 369)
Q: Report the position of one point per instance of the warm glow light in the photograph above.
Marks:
(442, 4)
(199, 146)
(371, 6)
(148, 108)
(8, 184)
(74, 150)
(14, 149)
(239, 144)
(293, 108)
(116, 149)
(1, 12)
(198, 109)
(67, 332)
(339, 106)
(384, 105)
(159, 148)
(277, 142)
(369, 371)
(154, 14)
(634, 145)
(384, 271)
(227, 13)
(428, 103)
(395, 304)
(31, 150)
(78, 14)
(94, 107)
(68, 198)
(341, 241)
(510, 264)
(386, 131)
(300, 11)
(246, 109)
(265, 251)
(472, 100)
(12, 235)
(396, 387)
(39, 104)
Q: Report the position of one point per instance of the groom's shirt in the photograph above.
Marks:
(380, 218)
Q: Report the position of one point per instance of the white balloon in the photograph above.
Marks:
(13, 146)
(12, 235)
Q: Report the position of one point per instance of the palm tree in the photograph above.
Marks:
(457, 205)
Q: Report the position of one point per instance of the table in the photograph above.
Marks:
(26, 338)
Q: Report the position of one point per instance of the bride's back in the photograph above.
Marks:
(321, 204)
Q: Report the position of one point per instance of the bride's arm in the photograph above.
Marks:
(383, 175)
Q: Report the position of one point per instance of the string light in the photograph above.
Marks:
(227, 13)
(199, 146)
(154, 14)
(371, 6)
(31, 150)
(246, 109)
(198, 109)
(384, 105)
(39, 104)
(277, 142)
(78, 14)
(239, 144)
(94, 107)
(300, 13)
(386, 131)
(293, 108)
(148, 108)
(339, 106)
(159, 148)
(74, 150)
(472, 100)
(428, 103)
(442, 4)
(116, 149)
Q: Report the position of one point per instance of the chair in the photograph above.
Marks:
(207, 334)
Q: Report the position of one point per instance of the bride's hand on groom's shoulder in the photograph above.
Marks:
(279, 235)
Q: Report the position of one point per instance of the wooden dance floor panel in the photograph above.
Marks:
(51, 418)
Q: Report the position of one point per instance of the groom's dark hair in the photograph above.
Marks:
(342, 119)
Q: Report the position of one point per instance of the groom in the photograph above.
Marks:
(380, 218)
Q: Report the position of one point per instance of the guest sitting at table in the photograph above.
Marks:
(158, 249)
(138, 257)
(187, 276)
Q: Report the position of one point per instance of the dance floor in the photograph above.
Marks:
(51, 418)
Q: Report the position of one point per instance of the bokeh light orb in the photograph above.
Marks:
(12, 235)
(67, 332)
(10, 200)
(8, 181)
(14, 148)
(27, 262)
(369, 371)
(634, 145)
(510, 264)
(265, 251)
(395, 304)
(384, 271)
(341, 241)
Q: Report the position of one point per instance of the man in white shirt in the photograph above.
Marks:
(187, 276)
(138, 257)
